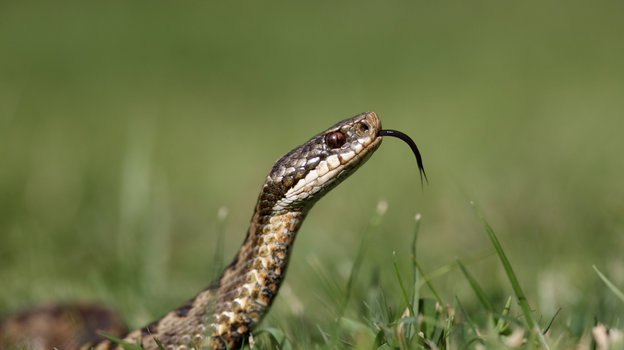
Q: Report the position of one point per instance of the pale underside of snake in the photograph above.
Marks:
(224, 314)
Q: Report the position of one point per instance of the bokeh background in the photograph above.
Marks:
(125, 127)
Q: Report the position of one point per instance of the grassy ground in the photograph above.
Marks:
(125, 127)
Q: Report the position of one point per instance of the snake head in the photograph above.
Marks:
(303, 175)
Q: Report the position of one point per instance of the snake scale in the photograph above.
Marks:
(224, 314)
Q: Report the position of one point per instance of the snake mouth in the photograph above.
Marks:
(412, 144)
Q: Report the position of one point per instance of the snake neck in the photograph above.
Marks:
(249, 285)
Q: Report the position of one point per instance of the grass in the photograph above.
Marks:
(412, 322)
(126, 127)
(440, 325)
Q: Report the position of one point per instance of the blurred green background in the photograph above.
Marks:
(125, 126)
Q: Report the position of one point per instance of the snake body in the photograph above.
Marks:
(224, 314)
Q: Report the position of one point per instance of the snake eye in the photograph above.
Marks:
(336, 139)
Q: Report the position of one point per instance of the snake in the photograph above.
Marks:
(224, 314)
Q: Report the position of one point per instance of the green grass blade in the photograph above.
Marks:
(403, 290)
(160, 346)
(275, 336)
(522, 300)
(428, 314)
(449, 325)
(551, 321)
(501, 325)
(415, 279)
(485, 301)
(373, 224)
(382, 206)
(405, 339)
(415, 272)
(508, 319)
(379, 339)
(618, 293)
(473, 326)
(429, 285)
(444, 269)
(119, 341)
(324, 335)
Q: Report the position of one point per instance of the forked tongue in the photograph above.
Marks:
(410, 142)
